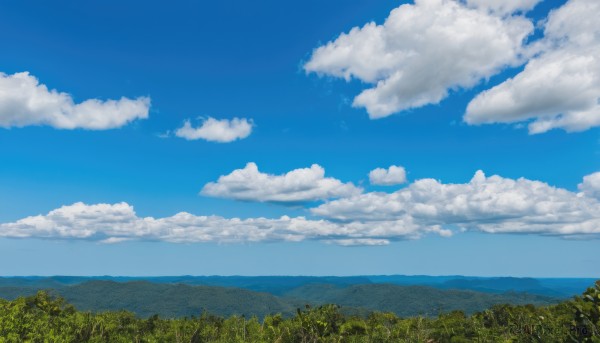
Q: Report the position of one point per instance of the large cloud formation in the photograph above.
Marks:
(486, 204)
(24, 101)
(560, 88)
(214, 130)
(296, 186)
(489, 204)
(113, 223)
(423, 50)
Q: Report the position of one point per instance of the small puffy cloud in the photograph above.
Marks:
(489, 204)
(115, 223)
(115, 240)
(213, 130)
(591, 185)
(24, 102)
(394, 175)
(560, 88)
(298, 185)
(425, 49)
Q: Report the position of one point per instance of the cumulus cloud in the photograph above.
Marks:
(560, 88)
(24, 102)
(213, 130)
(591, 185)
(394, 175)
(490, 204)
(423, 50)
(115, 223)
(298, 185)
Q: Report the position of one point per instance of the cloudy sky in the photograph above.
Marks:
(311, 137)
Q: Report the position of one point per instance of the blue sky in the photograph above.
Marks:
(517, 98)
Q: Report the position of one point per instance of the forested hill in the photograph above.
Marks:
(172, 300)
(412, 300)
(177, 300)
(168, 300)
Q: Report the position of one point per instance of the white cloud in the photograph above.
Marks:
(560, 88)
(503, 7)
(591, 185)
(24, 102)
(350, 242)
(213, 130)
(298, 185)
(425, 49)
(394, 175)
(115, 223)
(489, 204)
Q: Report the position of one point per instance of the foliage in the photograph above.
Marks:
(44, 318)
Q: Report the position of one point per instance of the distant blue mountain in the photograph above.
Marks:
(555, 287)
(279, 285)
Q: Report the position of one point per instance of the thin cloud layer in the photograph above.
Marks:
(298, 185)
(394, 175)
(25, 102)
(425, 49)
(213, 130)
(115, 223)
(489, 204)
(560, 88)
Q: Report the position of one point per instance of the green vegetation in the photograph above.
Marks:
(43, 318)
